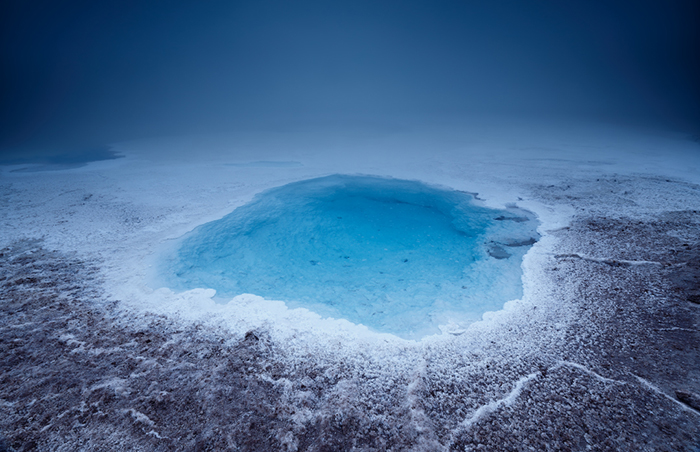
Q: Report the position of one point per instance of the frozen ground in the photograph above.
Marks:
(601, 353)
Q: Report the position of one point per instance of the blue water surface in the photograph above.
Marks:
(398, 256)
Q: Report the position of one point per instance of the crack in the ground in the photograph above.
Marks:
(614, 262)
(649, 385)
(494, 405)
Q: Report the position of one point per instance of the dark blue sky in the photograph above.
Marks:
(86, 72)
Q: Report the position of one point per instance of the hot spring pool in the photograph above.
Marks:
(398, 256)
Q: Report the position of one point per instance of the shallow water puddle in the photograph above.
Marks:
(398, 256)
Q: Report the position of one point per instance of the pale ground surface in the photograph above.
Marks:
(602, 352)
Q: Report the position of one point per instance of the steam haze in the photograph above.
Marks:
(88, 73)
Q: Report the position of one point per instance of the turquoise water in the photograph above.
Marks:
(398, 256)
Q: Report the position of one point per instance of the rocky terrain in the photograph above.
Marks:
(620, 372)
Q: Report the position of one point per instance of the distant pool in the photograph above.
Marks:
(398, 256)
(59, 159)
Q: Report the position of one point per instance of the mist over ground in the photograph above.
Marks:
(78, 74)
(126, 125)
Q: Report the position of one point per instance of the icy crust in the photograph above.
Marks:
(601, 352)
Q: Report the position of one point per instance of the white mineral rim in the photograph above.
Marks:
(601, 351)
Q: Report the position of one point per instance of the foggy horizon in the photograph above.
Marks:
(419, 225)
(94, 73)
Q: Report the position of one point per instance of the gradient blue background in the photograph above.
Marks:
(84, 73)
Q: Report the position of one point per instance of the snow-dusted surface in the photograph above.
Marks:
(597, 338)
